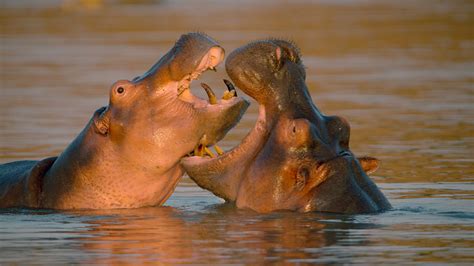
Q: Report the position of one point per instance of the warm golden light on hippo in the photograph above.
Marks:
(128, 155)
(295, 158)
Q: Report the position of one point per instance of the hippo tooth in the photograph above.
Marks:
(230, 86)
(218, 150)
(213, 68)
(199, 150)
(210, 93)
(209, 152)
(229, 95)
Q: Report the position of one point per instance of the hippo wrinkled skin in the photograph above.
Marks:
(128, 154)
(295, 158)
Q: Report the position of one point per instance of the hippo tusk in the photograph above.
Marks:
(231, 92)
(213, 68)
(218, 150)
(209, 152)
(210, 93)
(230, 86)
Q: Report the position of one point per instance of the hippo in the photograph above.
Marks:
(295, 158)
(128, 154)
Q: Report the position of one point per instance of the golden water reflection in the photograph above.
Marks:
(401, 72)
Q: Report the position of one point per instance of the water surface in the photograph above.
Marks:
(401, 72)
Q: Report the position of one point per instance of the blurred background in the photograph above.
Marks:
(401, 72)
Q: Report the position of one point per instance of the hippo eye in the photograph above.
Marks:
(120, 90)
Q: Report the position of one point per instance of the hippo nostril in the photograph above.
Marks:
(344, 153)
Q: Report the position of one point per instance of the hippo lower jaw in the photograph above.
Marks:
(217, 173)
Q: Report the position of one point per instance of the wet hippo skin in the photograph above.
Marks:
(128, 154)
(295, 158)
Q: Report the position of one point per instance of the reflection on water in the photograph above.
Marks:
(218, 233)
(401, 72)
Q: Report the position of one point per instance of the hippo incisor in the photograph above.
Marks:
(128, 154)
(295, 158)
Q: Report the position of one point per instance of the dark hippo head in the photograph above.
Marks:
(295, 158)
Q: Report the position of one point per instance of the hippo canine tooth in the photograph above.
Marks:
(209, 152)
(210, 93)
(218, 150)
(231, 92)
(230, 86)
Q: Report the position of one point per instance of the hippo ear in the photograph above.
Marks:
(369, 164)
(278, 58)
(278, 53)
(102, 121)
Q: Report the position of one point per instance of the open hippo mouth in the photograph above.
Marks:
(203, 147)
(212, 104)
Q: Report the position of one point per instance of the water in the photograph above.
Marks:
(401, 72)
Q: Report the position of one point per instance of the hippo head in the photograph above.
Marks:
(295, 158)
(128, 154)
(156, 114)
